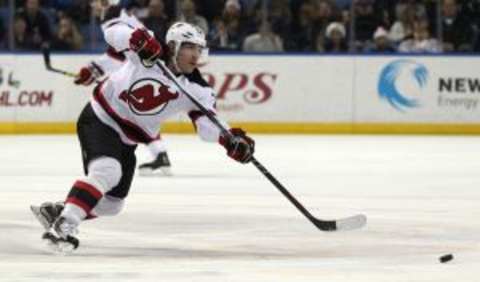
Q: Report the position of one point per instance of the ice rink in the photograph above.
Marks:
(216, 220)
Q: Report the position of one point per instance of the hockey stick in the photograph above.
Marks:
(48, 66)
(348, 223)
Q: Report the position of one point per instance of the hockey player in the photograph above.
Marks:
(127, 109)
(109, 12)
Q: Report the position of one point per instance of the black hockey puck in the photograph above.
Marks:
(446, 258)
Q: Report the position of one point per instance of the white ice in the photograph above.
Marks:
(216, 220)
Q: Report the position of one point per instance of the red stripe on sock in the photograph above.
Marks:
(79, 203)
(89, 188)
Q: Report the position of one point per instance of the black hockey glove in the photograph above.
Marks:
(239, 146)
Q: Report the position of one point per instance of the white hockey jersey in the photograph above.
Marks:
(135, 100)
(113, 59)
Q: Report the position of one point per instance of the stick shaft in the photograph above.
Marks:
(49, 67)
(255, 162)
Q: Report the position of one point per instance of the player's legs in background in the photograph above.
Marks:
(160, 164)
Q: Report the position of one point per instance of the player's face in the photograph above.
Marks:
(188, 56)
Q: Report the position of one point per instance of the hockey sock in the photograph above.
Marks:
(83, 197)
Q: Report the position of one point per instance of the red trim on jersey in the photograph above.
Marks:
(130, 129)
(89, 188)
(112, 53)
(79, 203)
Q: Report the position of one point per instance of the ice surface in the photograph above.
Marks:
(216, 220)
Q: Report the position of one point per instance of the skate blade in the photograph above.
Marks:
(38, 215)
(58, 245)
(163, 171)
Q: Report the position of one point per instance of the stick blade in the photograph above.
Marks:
(343, 224)
(351, 223)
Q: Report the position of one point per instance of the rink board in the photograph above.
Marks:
(275, 94)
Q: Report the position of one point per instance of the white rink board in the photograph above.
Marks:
(436, 104)
(305, 89)
(271, 89)
(62, 101)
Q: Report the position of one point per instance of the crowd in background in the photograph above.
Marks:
(259, 25)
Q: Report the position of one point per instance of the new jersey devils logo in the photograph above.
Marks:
(148, 96)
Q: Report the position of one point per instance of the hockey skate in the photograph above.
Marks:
(47, 213)
(64, 242)
(60, 245)
(161, 165)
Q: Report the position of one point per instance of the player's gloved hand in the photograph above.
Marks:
(87, 75)
(239, 146)
(146, 46)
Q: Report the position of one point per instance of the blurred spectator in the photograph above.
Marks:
(79, 11)
(385, 12)
(258, 13)
(67, 37)
(280, 17)
(365, 22)
(189, 14)
(335, 38)
(343, 4)
(171, 8)
(265, 40)
(139, 8)
(457, 30)
(2, 34)
(211, 9)
(232, 10)
(60, 4)
(157, 20)
(301, 25)
(319, 45)
(18, 3)
(302, 33)
(381, 43)
(402, 28)
(419, 8)
(37, 23)
(471, 10)
(228, 32)
(322, 16)
(21, 40)
(422, 42)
